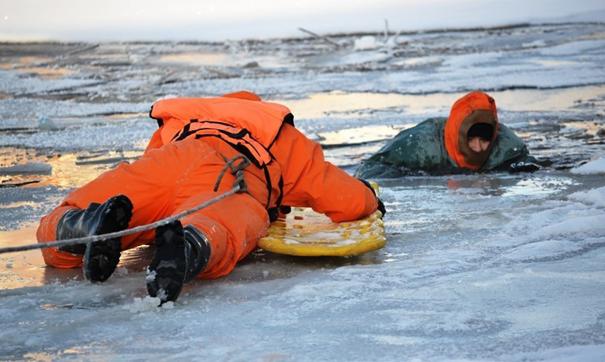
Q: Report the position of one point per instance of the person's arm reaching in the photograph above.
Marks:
(310, 181)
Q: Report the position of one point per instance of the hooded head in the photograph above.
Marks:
(474, 109)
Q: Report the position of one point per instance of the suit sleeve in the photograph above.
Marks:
(165, 133)
(508, 149)
(311, 181)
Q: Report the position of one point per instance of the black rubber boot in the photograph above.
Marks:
(180, 255)
(113, 215)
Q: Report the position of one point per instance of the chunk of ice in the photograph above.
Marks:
(593, 167)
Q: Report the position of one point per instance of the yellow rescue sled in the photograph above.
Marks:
(304, 232)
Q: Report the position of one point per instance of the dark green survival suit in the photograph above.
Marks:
(421, 150)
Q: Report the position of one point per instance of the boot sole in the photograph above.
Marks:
(166, 273)
(104, 256)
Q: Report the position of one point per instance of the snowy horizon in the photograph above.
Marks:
(114, 20)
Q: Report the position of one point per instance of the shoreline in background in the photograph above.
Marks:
(342, 34)
(192, 21)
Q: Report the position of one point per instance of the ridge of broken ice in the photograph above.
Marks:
(592, 167)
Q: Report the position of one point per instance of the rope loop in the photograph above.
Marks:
(236, 170)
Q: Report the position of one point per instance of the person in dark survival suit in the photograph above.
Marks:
(470, 140)
(184, 165)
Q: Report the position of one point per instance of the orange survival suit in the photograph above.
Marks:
(180, 167)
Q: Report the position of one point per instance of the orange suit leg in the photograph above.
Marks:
(47, 231)
(233, 226)
(156, 183)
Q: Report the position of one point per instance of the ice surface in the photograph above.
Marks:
(28, 168)
(366, 42)
(491, 267)
(148, 304)
(596, 196)
(149, 276)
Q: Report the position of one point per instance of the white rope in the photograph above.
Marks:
(134, 230)
(239, 186)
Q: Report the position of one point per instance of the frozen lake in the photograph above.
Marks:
(481, 267)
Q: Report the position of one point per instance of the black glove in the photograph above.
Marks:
(381, 207)
(523, 167)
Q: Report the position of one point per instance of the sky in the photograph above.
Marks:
(89, 20)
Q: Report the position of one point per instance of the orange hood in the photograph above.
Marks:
(475, 107)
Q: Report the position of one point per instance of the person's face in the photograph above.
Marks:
(478, 144)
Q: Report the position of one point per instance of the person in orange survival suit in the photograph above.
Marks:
(184, 165)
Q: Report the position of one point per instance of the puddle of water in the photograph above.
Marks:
(419, 61)
(123, 116)
(223, 59)
(18, 237)
(509, 186)
(39, 356)
(591, 128)
(46, 72)
(554, 63)
(71, 170)
(65, 170)
(24, 61)
(324, 104)
(14, 205)
(598, 35)
(196, 59)
(11, 156)
(35, 66)
(29, 60)
(17, 160)
(25, 269)
(538, 186)
(356, 135)
(57, 123)
(550, 100)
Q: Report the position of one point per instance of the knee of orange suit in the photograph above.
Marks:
(47, 231)
(61, 260)
(233, 227)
